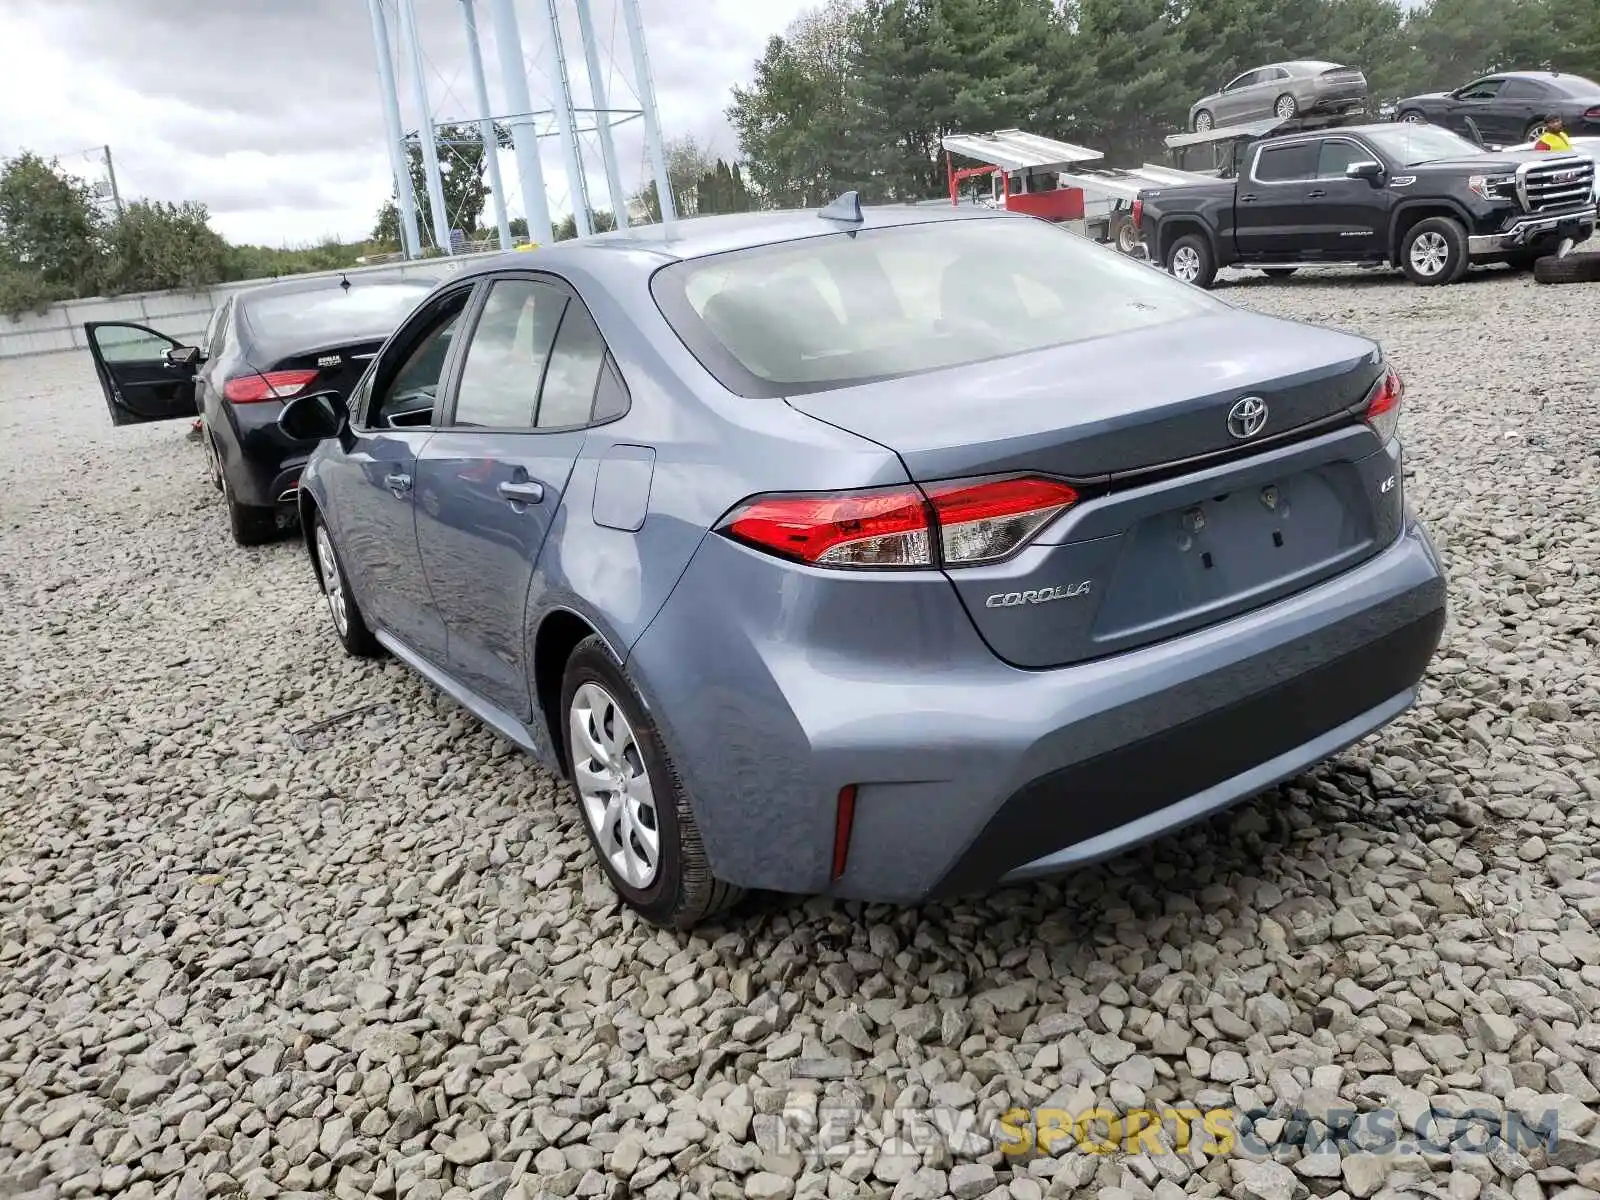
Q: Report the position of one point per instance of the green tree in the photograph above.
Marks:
(50, 229)
(600, 221)
(687, 163)
(800, 122)
(462, 164)
(156, 246)
(722, 190)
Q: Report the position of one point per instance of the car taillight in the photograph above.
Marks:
(1383, 405)
(954, 524)
(273, 385)
(1138, 211)
(1592, 114)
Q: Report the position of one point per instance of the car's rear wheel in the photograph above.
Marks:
(1286, 107)
(250, 525)
(348, 623)
(1434, 251)
(631, 798)
(1202, 121)
(1190, 260)
(213, 461)
(1533, 132)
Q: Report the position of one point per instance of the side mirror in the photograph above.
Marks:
(314, 418)
(1371, 171)
(183, 356)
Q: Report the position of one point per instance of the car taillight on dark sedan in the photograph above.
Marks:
(953, 524)
(272, 385)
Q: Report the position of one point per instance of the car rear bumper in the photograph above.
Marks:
(969, 772)
(1530, 231)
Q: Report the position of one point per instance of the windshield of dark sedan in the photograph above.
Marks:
(877, 304)
(1412, 143)
(373, 308)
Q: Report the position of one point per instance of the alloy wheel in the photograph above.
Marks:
(1412, 118)
(332, 583)
(1429, 254)
(1286, 107)
(1186, 264)
(614, 785)
(1202, 123)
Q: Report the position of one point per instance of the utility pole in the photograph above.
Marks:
(405, 202)
(486, 127)
(647, 102)
(602, 114)
(412, 37)
(111, 175)
(524, 136)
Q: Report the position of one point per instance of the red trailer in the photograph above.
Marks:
(1026, 170)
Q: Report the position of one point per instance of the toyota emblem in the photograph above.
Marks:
(1246, 417)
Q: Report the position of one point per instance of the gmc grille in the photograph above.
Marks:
(1566, 182)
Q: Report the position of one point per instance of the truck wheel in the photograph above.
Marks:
(1434, 251)
(1571, 268)
(1202, 121)
(1190, 260)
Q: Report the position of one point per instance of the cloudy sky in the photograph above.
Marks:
(268, 110)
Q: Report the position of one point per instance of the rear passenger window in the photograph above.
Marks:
(575, 362)
(506, 358)
(1278, 164)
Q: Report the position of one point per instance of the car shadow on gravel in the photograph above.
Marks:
(1357, 278)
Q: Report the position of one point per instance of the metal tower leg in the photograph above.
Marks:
(430, 151)
(647, 103)
(602, 117)
(565, 125)
(405, 203)
(491, 141)
(523, 134)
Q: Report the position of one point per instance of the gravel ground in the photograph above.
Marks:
(388, 964)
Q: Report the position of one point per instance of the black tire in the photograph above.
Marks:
(1202, 121)
(1435, 231)
(683, 892)
(213, 460)
(354, 635)
(1533, 132)
(1205, 263)
(1278, 272)
(249, 524)
(1412, 116)
(1573, 268)
(1285, 107)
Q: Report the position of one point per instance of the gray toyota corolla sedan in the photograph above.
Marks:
(885, 553)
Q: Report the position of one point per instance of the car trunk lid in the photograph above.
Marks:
(1182, 521)
(338, 366)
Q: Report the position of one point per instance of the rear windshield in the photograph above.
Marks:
(334, 313)
(849, 308)
(1577, 85)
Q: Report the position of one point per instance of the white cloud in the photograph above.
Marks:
(267, 111)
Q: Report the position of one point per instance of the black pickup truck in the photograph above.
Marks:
(1412, 196)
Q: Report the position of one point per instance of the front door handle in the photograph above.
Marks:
(524, 491)
(1312, 195)
(1247, 198)
(398, 484)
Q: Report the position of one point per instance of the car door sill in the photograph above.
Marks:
(502, 722)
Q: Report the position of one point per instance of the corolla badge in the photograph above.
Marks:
(1247, 416)
(1037, 595)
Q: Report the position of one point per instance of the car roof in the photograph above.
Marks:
(697, 237)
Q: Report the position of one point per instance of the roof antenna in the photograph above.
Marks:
(846, 208)
(344, 281)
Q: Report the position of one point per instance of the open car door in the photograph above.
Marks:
(145, 375)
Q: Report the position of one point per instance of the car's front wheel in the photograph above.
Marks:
(632, 801)
(1434, 251)
(348, 623)
(1202, 121)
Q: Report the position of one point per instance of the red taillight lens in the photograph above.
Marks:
(273, 385)
(1383, 405)
(967, 522)
(1138, 211)
(1592, 114)
(982, 522)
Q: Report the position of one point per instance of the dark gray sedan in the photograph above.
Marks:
(1286, 89)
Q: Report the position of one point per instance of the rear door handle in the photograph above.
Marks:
(1312, 195)
(524, 491)
(398, 484)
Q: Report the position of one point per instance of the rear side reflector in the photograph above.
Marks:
(273, 385)
(1383, 405)
(952, 524)
(844, 820)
